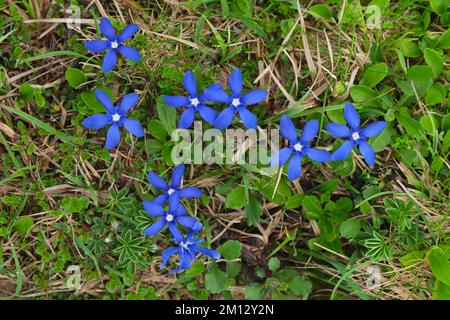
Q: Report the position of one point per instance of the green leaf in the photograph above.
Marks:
(167, 115)
(435, 94)
(253, 292)
(420, 73)
(434, 60)
(231, 249)
(300, 286)
(360, 93)
(23, 225)
(215, 280)
(274, 264)
(75, 77)
(441, 291)
(409, 48)
(440, 264)
(12, 201)
(411, 125)
(235, 199)
(380, 141)
(75, 205)
(429, 123)
(253, 211)
(374, 75)
(350, 228)
(444, 40)
(157, 130)
(322, 11)
(439, 6)
(312, 206)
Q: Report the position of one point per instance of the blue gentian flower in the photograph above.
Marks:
(176, 214)
(116, 116)
(173, 192)
(237, 102)
(357, 136)
(195, 103)
(298, 148)
(113, 44)
(187, 249)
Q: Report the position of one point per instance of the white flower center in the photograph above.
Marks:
(355, 136)
(298, 147)
(195, 102)
(236, 102)
(169, 217)
(170, 191)
(116, 117)
(185, 245)
(114, 44)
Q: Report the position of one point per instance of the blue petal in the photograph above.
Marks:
(185, 262)
(128, 102)
(109, 61)
(174, 203)
(134, 127)
(351, 116)
(180, 210)
(373, 129)
(343, 151)
(213, 254)
(104, 99)
(295, 167)
(188, 222)
(287, 129)
(190, 192)
(97, 46)
(155, 228)
(318, 155)
(225, 118)
(215, 93)
(107, 29)
(161, 199)
(338, 130)
(309, 131)
(235, 81)
(254, 96)
(367, 152)
(208, 114)
(128, 32)
(157, 181)
(96, 121)
(175, 232)
(177, 175)
(190, 84)
(130, 53)
(248, 118)
(167, 254)
(113, 136)
(176, 101)
(186, 119)
(153, 209)
(280, 157)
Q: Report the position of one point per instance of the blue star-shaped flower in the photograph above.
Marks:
(116, 116)
(195, 103)
(238, 102)
(357, 136)
(173, 192)
(187, 249)
(176, 214)
(298, 148)
(114, 44)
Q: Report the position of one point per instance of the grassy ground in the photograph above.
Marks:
(67, 204)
